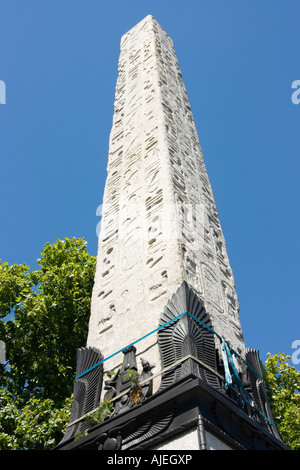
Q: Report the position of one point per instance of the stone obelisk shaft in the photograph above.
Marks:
(159, 220)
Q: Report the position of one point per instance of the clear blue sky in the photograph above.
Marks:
(238, 59)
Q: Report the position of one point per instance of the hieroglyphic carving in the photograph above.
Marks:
(192, 187)
(160, 224)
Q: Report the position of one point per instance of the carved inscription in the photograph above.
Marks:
(160, 225)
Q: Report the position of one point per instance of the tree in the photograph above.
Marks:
(283, 386)
(44, 316)
(36, 425)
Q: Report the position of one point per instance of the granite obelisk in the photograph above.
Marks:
(164, 291)
(159, 220)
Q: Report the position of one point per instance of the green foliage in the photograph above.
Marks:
(283, 386)
(132, 376)
(44, 316)
(38, 425)
(104, 409)
(135, 388)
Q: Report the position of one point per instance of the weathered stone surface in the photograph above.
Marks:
(159, 220)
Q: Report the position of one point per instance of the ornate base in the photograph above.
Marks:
(203, 401)
(188, 415)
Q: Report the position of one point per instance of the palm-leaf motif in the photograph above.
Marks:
(187, 336)
(86, 389)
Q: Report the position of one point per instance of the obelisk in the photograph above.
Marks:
(159, 224)
(165, 367)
